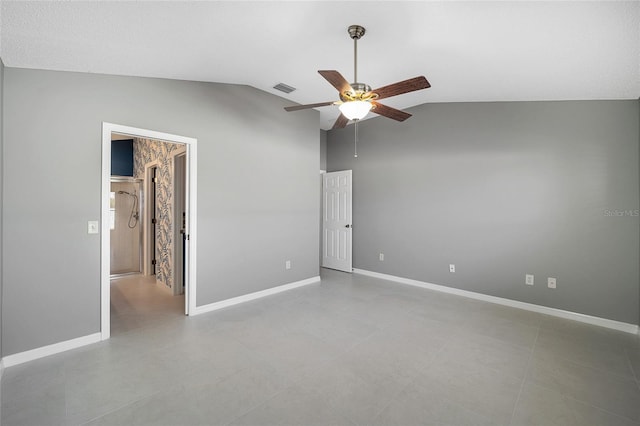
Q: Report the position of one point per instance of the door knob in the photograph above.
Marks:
(347, 226)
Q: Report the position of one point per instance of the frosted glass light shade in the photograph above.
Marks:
(355, 110)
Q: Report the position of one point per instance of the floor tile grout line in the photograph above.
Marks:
(288, 385)
(448, 399)
(142, 398)
(598, 369)
(253, 407)
(390, 401)
(575, 399)
(580, 401)
(633, 371)
(618, 376)
(595, 406)
(524, 378)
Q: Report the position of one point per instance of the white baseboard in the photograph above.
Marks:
(602, 322)
(252, 296)
(55, 348)
(22, 357)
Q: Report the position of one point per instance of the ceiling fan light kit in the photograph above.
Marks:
(355, 110)
(358, 99)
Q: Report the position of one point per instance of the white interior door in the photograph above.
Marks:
(336, 222)
(179, 221)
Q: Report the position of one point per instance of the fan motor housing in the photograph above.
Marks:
(359, 92)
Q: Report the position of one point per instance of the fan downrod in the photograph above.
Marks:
(356, 31)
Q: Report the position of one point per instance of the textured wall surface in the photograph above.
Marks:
(258, 203)
(502, 190)
(147, 151)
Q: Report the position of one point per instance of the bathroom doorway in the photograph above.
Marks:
(142, 214)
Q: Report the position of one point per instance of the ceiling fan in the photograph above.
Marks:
(357, 99)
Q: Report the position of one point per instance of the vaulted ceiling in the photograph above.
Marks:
(469, 51)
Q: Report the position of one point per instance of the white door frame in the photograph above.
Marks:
(179, 187)
(190, 248)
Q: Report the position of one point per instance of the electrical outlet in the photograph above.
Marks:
(452, 267)
(551, 282)
(528, 280)
(92, 227)
(381, 257)
(287, 264)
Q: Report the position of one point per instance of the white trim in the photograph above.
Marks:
(252, 296)
(192, 173)
(191, 183)
(602, 322)
(22, 357)
(177, 219)
(105, 235)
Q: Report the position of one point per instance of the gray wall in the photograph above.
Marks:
(501, 190)
(323, 150)
(323, 166)
(257, 191)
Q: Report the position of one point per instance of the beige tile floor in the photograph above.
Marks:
(351, 350)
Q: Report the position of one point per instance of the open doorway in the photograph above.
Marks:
(148, 196)
(164, 172)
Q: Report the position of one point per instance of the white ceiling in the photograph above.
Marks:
(469, 51)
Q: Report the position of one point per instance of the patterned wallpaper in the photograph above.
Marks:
(146, 151)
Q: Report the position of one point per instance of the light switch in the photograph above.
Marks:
(528, 279)
(92, 227)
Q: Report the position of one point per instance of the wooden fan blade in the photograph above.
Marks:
(299, 107)
(406, 86)
(336, 79)
(387, 111)
(341, 122)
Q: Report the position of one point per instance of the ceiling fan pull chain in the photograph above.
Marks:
(355, 142)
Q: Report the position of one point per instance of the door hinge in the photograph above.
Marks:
(153, 262)
(153, 221)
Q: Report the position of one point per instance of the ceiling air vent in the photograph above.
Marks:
(284, 88)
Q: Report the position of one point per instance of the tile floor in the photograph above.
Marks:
(351, 350)
(138, 302)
